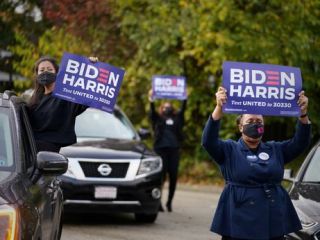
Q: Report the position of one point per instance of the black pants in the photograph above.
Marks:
(46, 146)
(230, 238)
(170, 158)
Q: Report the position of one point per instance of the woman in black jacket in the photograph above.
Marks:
(52, 119)
(167, 126)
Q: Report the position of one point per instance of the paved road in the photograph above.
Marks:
(193, 209)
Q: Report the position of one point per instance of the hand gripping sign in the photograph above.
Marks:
(93, 84)
(261, 89)
(172, 87)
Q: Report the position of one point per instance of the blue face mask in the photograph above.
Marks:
(253, 130)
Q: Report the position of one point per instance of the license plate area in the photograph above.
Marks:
(105, 192)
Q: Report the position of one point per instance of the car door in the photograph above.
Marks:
(46, 191)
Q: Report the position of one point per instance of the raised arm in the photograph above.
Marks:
(183, 106)
(293, 147)
(77, 109)
(221, 98)
(210, 136)
(181, 111)
(153, 115)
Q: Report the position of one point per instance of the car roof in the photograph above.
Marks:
(4, 100)
(116, 109)
(7, 94)
(307, 161)
(8, 97)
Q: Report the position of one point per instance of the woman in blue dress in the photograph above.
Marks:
(253, 204)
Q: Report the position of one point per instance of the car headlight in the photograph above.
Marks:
(306, 221)
(72, 168)
(69, 173)
(8, 223)
(149, 166)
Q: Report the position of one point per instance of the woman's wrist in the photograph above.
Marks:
(217, 112)
(304, 118)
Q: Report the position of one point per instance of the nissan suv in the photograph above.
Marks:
(110, 168)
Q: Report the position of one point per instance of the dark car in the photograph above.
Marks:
(110, 169)
(31, 200)
(305, 195)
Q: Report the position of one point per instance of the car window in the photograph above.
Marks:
(6, 153)
(98, 124)
(312, 171)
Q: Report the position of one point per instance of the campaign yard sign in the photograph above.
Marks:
(93, 84)
(172, 87)
(261, 89)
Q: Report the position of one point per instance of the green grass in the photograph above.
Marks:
(192, 171)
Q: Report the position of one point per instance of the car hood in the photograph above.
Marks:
(12, 189)
(107, 148)
(306, 197)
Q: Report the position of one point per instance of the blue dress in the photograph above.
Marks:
(253, 204)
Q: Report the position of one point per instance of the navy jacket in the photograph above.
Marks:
(253, 204)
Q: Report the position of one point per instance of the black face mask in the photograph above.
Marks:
(253, 130)
(46, 78)
(168, 111)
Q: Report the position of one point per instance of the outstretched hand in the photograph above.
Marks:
(221, 96)
(150, 93)
(303, 103)
(93, 59)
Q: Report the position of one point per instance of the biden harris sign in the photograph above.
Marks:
(171, 87)
(261, 89)
(93, 84)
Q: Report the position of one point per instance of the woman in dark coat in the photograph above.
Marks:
(167, 125)
(253, 204)
(52, 119)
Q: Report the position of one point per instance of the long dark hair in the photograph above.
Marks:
(39, 89)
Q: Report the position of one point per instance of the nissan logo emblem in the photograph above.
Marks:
(104, 169)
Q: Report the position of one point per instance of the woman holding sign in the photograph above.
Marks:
(253, 204)
(52, 119)
(167, 126)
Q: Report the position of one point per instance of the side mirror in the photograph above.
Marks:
(287, 175)
(144, 133)
(52, 163)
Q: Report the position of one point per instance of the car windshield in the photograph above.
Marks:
(95, 123)
(6, 153)
(312, 172)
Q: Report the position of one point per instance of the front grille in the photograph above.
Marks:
(90, 169)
